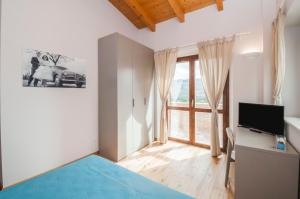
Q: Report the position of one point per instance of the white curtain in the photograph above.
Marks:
(278, 57)
(215, 59)
(165, 63)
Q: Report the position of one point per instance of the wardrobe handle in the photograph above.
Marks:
(133, 102)
(145, 101)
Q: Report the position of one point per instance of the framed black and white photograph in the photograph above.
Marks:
(44, 69)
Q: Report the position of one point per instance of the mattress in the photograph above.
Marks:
(90, 178)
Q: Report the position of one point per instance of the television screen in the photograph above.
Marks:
(266, 118)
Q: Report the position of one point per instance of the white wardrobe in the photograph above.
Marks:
(126, 96)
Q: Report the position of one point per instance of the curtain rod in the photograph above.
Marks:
(228, 36)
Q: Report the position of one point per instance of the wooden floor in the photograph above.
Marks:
(185, 168)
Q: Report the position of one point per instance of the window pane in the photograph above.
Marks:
(179, 93)
(203, 126)
(201, 100)
(178, 122)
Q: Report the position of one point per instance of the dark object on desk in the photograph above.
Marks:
(263, 118)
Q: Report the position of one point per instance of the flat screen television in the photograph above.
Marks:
(260, 117)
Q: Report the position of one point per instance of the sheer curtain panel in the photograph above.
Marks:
(214, 60)
(165, 63)
(278, 57)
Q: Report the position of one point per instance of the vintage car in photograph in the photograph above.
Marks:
(62, 75)
(57, 76)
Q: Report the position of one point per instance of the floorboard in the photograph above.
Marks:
(185, 168)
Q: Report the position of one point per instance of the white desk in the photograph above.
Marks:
(263, 172)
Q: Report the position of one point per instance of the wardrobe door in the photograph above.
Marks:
(149, 95)
(125, 100)
(139, 113)
(108, 99)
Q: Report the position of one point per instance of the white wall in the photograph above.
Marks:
(43, 128)
(246, 81)
(250, 77)
(291, 90)
(238, 16)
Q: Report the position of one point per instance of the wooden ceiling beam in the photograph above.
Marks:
(141, 13)
(177, 10)
(147, 13)
(219, 5)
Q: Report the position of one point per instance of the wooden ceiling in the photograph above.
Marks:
(147, 13)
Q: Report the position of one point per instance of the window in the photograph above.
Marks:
(188, 109)
(179, 92)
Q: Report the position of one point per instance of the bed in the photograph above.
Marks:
(90, 178)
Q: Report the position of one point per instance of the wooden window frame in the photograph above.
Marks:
(192, 109)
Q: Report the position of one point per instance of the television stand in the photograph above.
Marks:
(255, 130)
(262, 171)
(250, 129)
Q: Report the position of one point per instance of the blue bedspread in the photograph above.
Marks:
(90, 178)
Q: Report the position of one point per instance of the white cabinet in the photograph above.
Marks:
(126, 105)
(261, 171)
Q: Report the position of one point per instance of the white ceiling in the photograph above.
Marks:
(293, 15)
